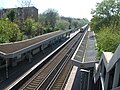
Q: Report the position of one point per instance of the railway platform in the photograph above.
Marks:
(23, 66)
(83, 60)
(13, 53)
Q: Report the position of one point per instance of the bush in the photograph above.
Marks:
(9, 32)
(108, 39)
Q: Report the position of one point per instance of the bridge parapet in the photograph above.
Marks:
(108, 70)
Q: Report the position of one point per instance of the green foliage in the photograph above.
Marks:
(31, 28)
(106, 24)
(83, 21)
(50, 16)
(9, 32)
(11, 15)
(41, 18)
(107, 39)
(76, 22)
(69, 19)
(62, 24)
(37, 28)
(49, 21)
(107, 12)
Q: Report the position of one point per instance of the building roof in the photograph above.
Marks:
(18, 8)
(8, 48)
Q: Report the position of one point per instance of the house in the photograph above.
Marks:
(21, 12)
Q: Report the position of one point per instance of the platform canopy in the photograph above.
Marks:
(15, 48)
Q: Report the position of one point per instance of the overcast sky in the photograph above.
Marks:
(68, 8)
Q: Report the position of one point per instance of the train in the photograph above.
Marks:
(82, 29)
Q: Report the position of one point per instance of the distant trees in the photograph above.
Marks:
(69, 19)
(48, 20)
(62, 24)
(76, 22)
(52, 21)
(13, 29)
(51, 17)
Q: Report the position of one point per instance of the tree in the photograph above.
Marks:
(27, 28)
(69, 19)
(31, 28)
(11, 15)
(41, 18)
(51, 16)
(84, 21)
(9, 32)
(37, 28)
(75, 22)
(107, 8)
(62, 24)
(107, 39)
(25, 3)
(106, 24)
(107, 12)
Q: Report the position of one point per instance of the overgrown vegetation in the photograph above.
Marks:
(9, 32)
(13, 29)
(106, 24)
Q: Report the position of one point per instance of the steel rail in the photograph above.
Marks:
(59, 80)
(41, 76)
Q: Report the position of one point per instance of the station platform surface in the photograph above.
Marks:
(86, 59)
(90, 52)
(86, 50)
(85, 54)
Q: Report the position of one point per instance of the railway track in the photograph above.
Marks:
(60, 79)
(42, 78)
